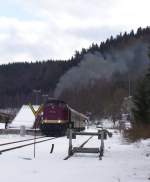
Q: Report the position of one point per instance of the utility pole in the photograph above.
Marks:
(129, 87)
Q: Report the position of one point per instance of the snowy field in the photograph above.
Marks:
(122, 162)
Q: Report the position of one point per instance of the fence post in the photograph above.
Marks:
(22, 130)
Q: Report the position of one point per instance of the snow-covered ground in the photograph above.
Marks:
(122, 162)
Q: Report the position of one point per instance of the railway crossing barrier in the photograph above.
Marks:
(102, 135)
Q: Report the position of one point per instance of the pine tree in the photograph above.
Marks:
(141, 100)
(141, 104)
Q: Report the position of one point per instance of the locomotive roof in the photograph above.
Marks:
(55, 101)
(78, 113)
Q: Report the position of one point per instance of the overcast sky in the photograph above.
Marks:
(33, 30)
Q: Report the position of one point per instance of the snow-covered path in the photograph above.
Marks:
(121, 162)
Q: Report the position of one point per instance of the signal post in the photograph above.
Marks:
(36, 114)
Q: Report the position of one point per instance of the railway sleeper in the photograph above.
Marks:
(85, 150)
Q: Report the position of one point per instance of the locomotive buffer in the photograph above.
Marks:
(102, 134)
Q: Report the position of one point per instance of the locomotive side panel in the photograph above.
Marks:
(78, 119)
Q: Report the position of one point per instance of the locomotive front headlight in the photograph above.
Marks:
(59, 121)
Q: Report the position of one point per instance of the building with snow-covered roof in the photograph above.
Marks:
(25, 117)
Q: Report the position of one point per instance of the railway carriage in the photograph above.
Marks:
(56, 118)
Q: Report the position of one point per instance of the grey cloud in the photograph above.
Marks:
(75, 24)
(99, 33)
(81, 9)
(49, 41)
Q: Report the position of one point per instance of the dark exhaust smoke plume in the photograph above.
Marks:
(96, 66)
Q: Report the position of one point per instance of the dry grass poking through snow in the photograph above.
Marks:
(137, 132)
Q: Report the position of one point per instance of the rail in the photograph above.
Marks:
(21, 146)
(19, 141)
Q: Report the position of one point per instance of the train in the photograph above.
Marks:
(57, 116)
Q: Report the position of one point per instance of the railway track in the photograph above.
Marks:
(19, 141)
(81, 146)
(24, 145)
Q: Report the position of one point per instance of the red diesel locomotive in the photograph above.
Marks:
(56, 118)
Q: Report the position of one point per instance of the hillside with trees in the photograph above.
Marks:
(18, 80)
(140, 110)
(94, 80)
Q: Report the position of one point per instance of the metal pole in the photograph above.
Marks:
(35, 134)
(70, 142)
(36, 95)
(102, 144)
